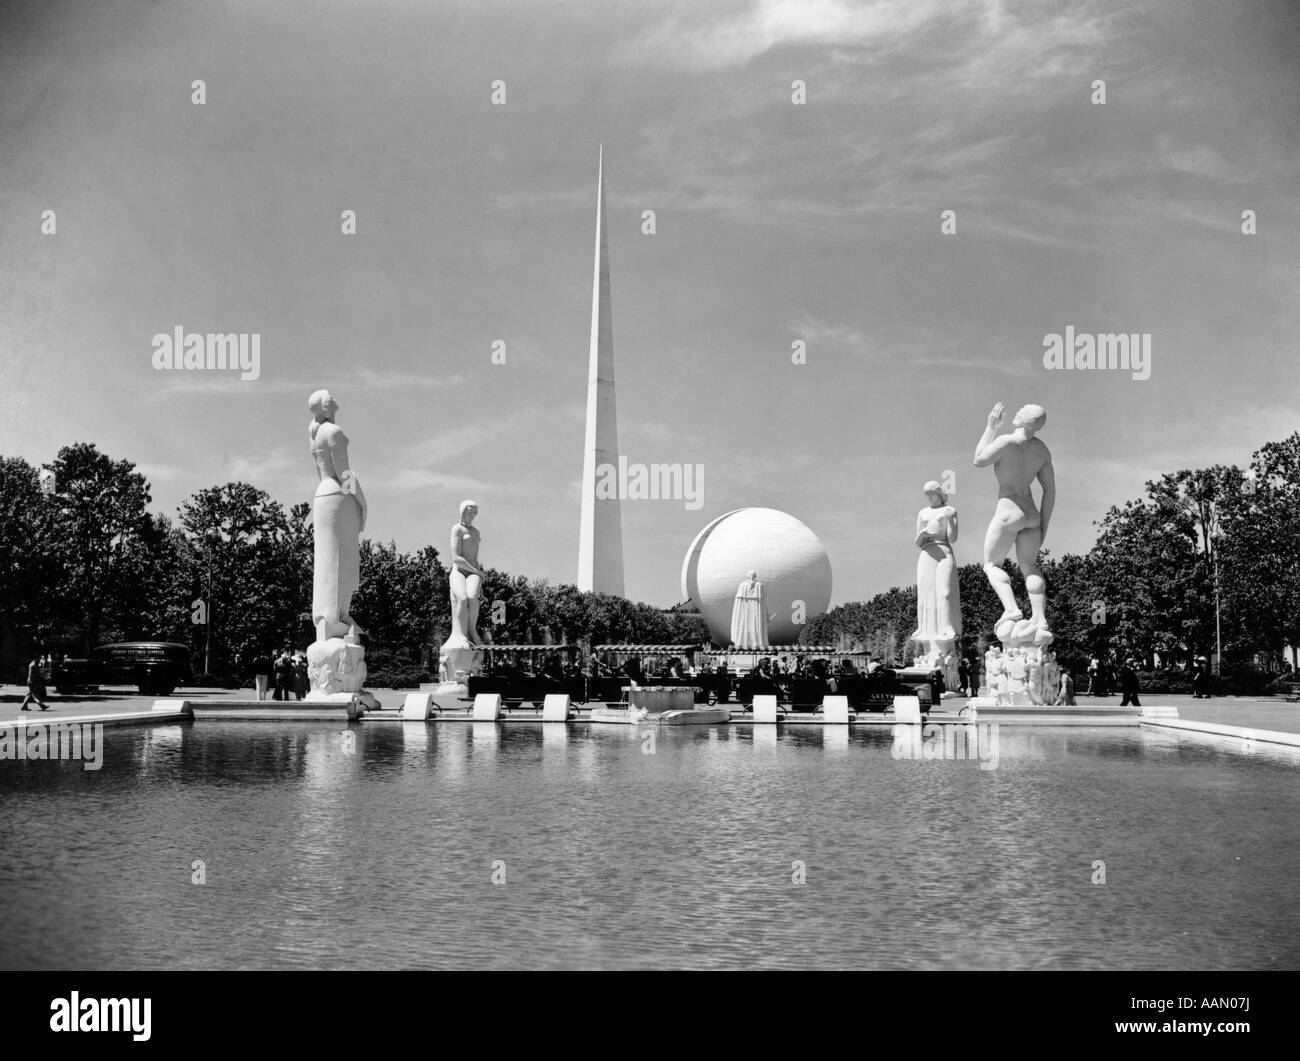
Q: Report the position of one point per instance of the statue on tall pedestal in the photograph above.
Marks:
(1018, 459)
(938, 599)
(336, 664)
(749, 614)
(459, 655)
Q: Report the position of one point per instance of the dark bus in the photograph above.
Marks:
(154, 667)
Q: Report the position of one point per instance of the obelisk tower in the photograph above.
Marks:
(600, 538)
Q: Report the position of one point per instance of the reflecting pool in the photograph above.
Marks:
(392, 846)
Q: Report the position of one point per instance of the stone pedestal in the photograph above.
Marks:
(458, 659)
(661, 697)
(941, 656)
(1028, 674)
(336, 670)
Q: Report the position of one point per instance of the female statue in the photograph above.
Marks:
(938, 601)
(466, 575)
(338, 517)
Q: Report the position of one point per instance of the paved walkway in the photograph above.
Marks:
(126, 702)
(1259, 714)
(1279, 717)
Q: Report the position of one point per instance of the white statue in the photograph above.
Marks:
(1018, 459)
(1017, 676)
(1051, 679)
(938, 599)
(749, 614)
(458, 656)
(997, 673)
(951, 674)
(1035, 665)
(336, 661)
(466, 576)
(338, 517)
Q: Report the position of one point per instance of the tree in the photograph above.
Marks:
(29, 567)
(246, 565)
(399, 599)
(150, 598)
(1259, 552)
(99, 506)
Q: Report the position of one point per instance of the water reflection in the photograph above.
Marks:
(555, 739)
(835, 738)
(378, 852)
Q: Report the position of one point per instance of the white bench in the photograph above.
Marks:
(487, 707)
(556, 707)
(765, 708)
(417, 707)
(835, 709)
(907, 709)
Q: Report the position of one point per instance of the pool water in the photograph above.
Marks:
(390, 846)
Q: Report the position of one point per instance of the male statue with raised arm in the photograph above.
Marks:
(1018, 459)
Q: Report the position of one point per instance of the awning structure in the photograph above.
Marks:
(649, 650)
(790, 650)
(528, 648)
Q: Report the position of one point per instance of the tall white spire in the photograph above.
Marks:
(600, 538)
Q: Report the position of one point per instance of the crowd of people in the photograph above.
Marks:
(284, 676)
(1105, 675)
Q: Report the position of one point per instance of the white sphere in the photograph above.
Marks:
(790, 560)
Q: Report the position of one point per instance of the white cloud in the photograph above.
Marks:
(736, 39)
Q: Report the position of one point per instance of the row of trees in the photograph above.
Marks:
(83, 562)
(1206, 556)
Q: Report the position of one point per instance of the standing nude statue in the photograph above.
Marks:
(466, 576)
(1018, 459)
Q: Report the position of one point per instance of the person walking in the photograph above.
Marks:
(1128, 684)
(35, 685)
(963, 678)
(1201, 680)
(261, 674)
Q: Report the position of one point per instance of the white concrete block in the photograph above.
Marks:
(556, 708)
(907, 709)
(1160, 712)
(487, 707)
(417, 707)
(835, 709)
(765, 708)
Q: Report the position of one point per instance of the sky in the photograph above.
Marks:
(775, 222)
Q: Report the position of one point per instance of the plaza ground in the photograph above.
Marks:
(1253, 716)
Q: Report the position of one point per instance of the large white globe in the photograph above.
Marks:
(790, 560)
